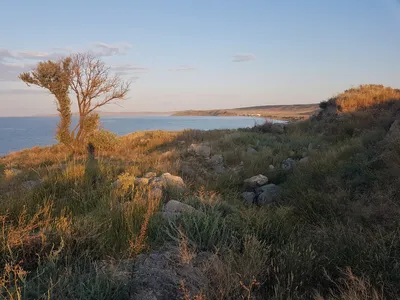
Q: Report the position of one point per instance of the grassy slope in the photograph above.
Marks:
(283, 112)
(334, 235)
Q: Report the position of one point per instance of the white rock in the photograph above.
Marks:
(256, 181)
(200, 150)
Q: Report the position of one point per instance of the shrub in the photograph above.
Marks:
(104, 140)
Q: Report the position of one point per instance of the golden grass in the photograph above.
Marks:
(364, 96)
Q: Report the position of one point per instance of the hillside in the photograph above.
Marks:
(305, 210)
(281, 112)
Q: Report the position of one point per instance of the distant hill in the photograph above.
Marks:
(282, 112)
(293, 112)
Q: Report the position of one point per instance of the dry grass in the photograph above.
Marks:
(352, 287)
(138, 244)
(186, 253)
(364, 96)
(188, 296)
(11, 280)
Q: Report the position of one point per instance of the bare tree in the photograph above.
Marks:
(91, 82)
(94, 87)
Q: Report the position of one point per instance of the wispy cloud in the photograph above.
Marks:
(13, 62)
(5, 53)
(10, 71)
(130, 68)
(104, 49)
(36, 55)
(184, 68)
(243, 57)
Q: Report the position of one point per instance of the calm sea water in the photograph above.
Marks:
(26, 132)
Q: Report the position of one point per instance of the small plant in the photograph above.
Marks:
(186, 254)
(11, 280)
(249, 288)
(186, 293)
(138, 244)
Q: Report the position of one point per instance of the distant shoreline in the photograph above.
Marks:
(278, 112)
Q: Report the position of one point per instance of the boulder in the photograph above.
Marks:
(150, 175)
(271, 167)
(175, 206)
(12, 172)
(158, 275)
(219, 169)
(201, 150)
(288, 164)
(291, 153)
(269, 194)
(304, 160)
(249, 197)
(156, 193)
(216, 159)
(251, 150)
(255, 181)
(173, 181)
(141, 181)
(216, 162)
(187, 170)
(395, 127)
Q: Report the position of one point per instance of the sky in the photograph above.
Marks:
(204, 54)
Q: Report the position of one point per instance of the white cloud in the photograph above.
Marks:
(14, 62)
(103, 49)
(243, 57)
(184, 68)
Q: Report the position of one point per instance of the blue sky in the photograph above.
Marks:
(205, 54)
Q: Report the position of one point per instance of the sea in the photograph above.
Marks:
(17, 133)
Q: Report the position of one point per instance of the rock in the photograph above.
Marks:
(310, 146)
(255, 181)
(181, 143)
(31, 184)
(216, 162)
(271, 167)
(172, 181)
(304, 160)
(249, 197)
(156, 193)
(12, 172)
(219, 169)
(158, 275)
(187, 170)
(167, 154)
(175, 206)
(200, 150)
(150, 175)
(288, 164)
(291, 153)
(216, 159)
(251, 150)
(269, 194)
(395, 127)
(141, 181)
